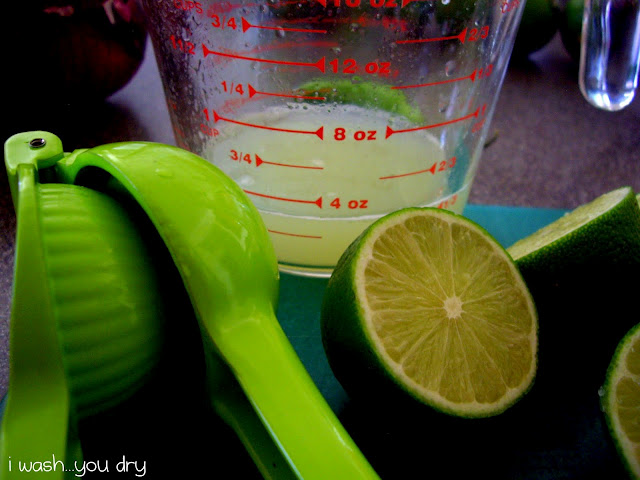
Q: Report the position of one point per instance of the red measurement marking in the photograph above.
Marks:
(320, 64)
(246, 26)
(461, 36)
(317, 202)
(431, 170)
(319, 132)
(318, 237)
(471, 77)
(253, 91)
(391, 131)
(259, 162)
(231, 105)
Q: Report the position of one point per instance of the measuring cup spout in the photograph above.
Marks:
(610, 52)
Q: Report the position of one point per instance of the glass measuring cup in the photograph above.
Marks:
(332, 113)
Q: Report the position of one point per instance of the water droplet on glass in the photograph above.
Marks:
(336, 50)
(246, 181)
(443, 104)
(450, 67)
(280, 33)
(354, 27)
(601, 392)
(446, 2)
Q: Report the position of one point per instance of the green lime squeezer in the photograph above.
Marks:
(87, 315)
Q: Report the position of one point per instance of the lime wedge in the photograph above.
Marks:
(427, 304)
(363, 94)
(621, 400)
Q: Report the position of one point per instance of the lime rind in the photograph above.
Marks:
(624, 367)
(365, 339)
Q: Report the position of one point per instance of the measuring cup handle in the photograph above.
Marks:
(610, 52)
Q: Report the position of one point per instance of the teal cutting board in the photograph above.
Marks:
(550, 434)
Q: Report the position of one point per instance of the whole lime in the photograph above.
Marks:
(538, 26)
(570, 26)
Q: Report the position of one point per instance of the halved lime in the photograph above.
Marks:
(427, 304)
(606, 229)
(578, 269)
(621, 400)
(589, 251)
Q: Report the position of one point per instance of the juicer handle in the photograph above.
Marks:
(278, 413)
(610, 52)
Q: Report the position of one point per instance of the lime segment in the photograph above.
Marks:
(621, 400)
(436, 304)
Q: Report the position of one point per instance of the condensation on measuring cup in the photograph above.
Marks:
(246, 180)
(450, 67)
(443, 102)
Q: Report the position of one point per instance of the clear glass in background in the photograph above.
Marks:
(610, 52)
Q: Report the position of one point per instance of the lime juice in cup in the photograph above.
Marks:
(316, 195)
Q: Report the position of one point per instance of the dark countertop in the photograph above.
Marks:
(552, 149)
